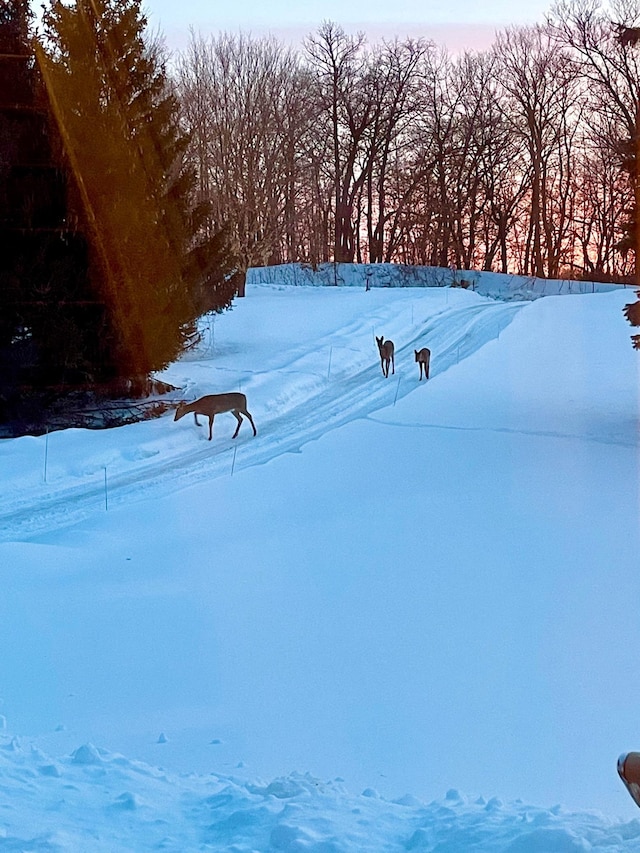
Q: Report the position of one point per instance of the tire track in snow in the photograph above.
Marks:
(452, 335)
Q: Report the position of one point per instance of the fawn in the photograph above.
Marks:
(423, 357)
(386, 350)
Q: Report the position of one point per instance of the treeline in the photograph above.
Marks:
(518, 159)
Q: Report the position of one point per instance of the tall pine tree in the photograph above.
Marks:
(119, 122)
(48, 309)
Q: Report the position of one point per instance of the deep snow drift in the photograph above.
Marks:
(399, 609)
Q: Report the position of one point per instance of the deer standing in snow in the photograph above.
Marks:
(386, 350)
(423, 357)
(215, 404)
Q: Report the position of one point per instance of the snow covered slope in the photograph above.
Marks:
(395, 619)
(302, 378)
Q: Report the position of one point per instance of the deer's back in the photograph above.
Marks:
(223, 402)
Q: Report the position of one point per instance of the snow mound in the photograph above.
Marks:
(98, 801)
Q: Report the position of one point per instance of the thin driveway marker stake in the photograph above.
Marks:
(233, 462)
(329, 370)
(46, 453)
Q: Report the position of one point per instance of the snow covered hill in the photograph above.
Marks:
(302, 388)
(395, 619)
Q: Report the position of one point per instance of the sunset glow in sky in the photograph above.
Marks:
(459, 24)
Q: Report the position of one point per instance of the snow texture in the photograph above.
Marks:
(403, 617)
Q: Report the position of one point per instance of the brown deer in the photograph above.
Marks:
(423, 357)
(215, 404)
(386, 350)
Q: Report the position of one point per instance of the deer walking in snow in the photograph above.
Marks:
(386, 350)
(216, 404)
(423, 357)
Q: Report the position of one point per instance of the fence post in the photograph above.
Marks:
(46, 453)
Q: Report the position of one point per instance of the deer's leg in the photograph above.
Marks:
(420, 365)
(195, 417)
(238, 417)
(245, 412)
(210, 426)
(393, 363)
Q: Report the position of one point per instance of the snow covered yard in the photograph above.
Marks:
(397, 588)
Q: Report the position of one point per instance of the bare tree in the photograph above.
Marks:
(602, 193)
(610, 68)
(539, 84)
(340, 70)
(395, 85)
(244, 107)
(500, 168)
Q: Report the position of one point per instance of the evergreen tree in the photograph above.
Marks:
(119, 123)
(47, 307)
(632, 313)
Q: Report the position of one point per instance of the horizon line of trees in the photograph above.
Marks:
(517, 159)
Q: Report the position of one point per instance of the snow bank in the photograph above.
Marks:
(94, 801)
(495, 285)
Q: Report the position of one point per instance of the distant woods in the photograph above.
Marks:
(520, 159)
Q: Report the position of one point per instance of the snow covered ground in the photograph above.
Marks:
(404, 616)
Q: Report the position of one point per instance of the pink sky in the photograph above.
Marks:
(456, 37)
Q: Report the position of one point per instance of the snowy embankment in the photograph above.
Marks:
(400, 589)
(99, 802)
(502, 286)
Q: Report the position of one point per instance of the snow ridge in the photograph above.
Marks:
(97, 802)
